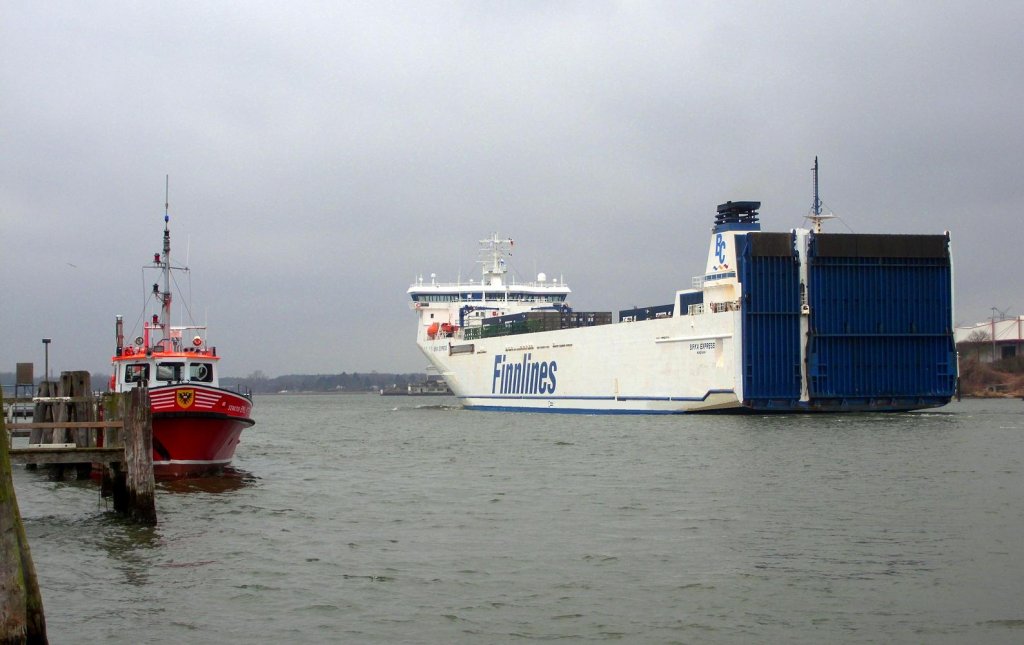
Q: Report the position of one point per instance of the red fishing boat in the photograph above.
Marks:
(196, 423)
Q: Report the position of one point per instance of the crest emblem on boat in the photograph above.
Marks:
(185, 398)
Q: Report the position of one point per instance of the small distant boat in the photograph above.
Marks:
(430, 387)
(196, 423)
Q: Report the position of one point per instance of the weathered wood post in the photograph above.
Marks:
(134, 487)
(21, 605)
(42, 413)
(113, 410)
(77, 385)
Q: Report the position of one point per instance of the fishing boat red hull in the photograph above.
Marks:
(196, 423)
(195, 429)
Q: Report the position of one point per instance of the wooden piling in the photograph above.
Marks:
(21, 604)
(43, 413)
(81, 406)
(134, 485)
(113, 408)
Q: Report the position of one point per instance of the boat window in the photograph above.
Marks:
(200, 372)
(136, 373)
(168, 371)
(429, 297)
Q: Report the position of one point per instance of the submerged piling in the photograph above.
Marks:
(21, 605)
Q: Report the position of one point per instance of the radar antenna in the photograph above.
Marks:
(816, 217)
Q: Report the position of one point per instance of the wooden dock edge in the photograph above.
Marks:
(21, 605)
(128, 475)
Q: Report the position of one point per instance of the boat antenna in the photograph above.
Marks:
(816, 217)
(816, 207)
(165, 310)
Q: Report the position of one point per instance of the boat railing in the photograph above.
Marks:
(477, 286)
(721, 307)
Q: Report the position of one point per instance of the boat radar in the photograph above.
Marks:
(816, 216)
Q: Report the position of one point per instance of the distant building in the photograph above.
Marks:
(992, 340)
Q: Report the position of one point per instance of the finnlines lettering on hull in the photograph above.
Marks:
(769, 328)
(523, 377)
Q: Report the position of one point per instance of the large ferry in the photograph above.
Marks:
(796, 321)
(196, 423)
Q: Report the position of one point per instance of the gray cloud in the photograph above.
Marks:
(323, 154)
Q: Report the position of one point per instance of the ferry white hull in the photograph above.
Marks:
(663, 366)
(797, 321)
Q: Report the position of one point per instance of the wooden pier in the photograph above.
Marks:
(76, 440)
(66, 433)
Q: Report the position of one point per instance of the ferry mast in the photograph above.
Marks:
(492, 256)
(816, 217)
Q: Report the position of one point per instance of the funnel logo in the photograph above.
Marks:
(185, 398)
(720, 248)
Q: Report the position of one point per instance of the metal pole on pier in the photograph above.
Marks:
(46, 359)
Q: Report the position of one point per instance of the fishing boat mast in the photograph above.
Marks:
(165, 309)
(162, 262)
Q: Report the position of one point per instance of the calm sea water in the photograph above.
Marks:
(368, 519)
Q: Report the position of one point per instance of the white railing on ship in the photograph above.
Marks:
(713, 307)
(473, 287)
(720, 307)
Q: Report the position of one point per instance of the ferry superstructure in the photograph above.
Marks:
(797, 321)
(196, 423)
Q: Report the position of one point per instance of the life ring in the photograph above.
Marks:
(197, 341)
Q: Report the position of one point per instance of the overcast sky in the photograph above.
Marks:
(323, 154)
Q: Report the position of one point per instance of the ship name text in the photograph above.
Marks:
(702, 347)
(523, 377)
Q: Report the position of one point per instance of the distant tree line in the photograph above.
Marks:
(344, 382)
(260, 384)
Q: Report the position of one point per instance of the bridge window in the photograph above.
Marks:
(136, 373)
(170, 372)
(202, 372)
